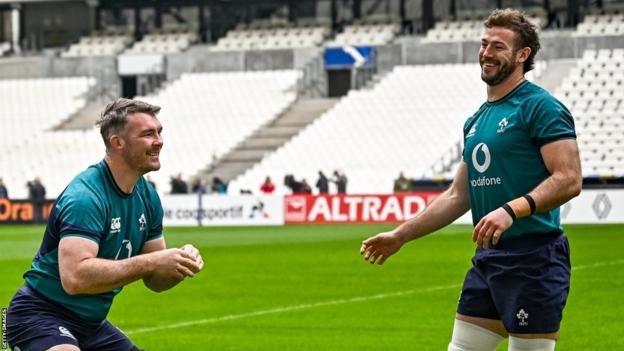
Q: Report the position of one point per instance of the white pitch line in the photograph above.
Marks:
(598, 264)
(327, 303)
(291, 308)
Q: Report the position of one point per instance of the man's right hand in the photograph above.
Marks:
(174, 263)
(381, 246)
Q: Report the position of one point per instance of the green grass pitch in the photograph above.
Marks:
(307, 288)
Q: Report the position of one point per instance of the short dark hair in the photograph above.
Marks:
(115, 116)
(526, 32)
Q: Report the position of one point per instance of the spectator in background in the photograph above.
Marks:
(178, 186)
(402, 184)
(291, 183)
(151, 182)
(340, 179)
(267, 187)
(36, 194)
(305, 187)
(4, 193)
(219, 186)
(198, 186)
(322, 184)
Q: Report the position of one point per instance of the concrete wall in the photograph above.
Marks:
(22, 67)
(201, 59)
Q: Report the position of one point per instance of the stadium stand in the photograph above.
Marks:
(29, 109)
(601, 25)
(366, 34)
(594, 90)
(462, 30)
(206, 114)
(166, 41)
(272, 38)
(107, 43)
(403, 123)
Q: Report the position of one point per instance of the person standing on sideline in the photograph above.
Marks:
(36, 194)
(105, 231)
(340, 179)
(267, 187)
(520, 163)
(322, 184)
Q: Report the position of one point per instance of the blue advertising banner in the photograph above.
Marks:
(349, 56)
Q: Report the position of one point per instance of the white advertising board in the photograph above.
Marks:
(592, 206)
(221, 210)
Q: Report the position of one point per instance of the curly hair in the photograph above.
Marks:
(526, 32)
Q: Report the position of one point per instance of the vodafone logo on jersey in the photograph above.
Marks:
(355, 208)
(481, 167)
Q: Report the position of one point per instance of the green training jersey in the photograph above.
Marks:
(94, 207)
(502, 142)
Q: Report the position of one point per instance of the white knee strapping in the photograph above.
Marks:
(470, 337)
(520, 344)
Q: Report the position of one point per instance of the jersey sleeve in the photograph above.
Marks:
(156, 215)
(81, 215)
(550, 121)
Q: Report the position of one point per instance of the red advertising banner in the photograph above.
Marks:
(355, 208)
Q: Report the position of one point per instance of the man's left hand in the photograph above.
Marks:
(195, 253)
(491, 227)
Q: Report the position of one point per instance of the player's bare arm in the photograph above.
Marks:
(564, 183)
(157, 282)
(449, 206)
(82, 272)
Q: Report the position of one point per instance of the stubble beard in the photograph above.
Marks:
(505, 69)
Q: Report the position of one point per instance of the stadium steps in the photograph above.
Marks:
(553, 76)
(84, 118)
(268, 138)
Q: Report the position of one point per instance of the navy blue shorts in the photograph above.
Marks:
(523, 282)
(37, 323)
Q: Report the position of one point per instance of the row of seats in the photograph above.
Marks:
(98, 46)
(279, 38)
(594, 91)
(30, 106)
(114, 44)
(204, 115)
(457, 31)
(30, 109)
(366, 34)
(371, 135)
(601, 25)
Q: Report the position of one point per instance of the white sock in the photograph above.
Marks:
(520, 344)
(471, 337)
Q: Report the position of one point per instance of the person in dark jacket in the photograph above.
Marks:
(322, 184)
(36, 194)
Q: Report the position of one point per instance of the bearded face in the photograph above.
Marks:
(496, 70)
(498, 55)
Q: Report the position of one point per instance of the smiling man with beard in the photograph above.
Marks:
(520, 163)
(104, 231)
